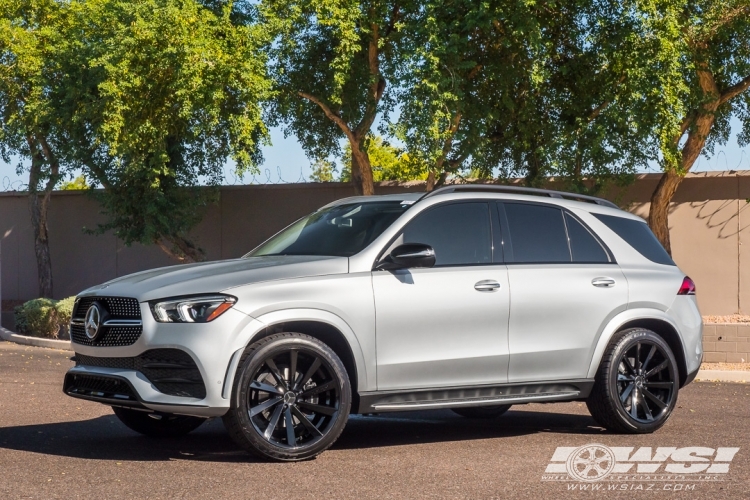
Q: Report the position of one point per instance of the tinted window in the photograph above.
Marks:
(458, 232)
(583, 245)
(341, 230)
(537, 233)
(638, 235)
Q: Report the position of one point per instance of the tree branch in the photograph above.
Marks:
(377, 86)
(735, 90)
(332, 115)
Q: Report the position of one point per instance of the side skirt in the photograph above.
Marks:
(453, 397)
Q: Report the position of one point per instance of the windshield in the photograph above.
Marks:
(342, 230)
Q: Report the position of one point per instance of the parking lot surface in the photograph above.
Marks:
(54, 446)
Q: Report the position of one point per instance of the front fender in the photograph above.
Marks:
(365, 374)
(616, 323)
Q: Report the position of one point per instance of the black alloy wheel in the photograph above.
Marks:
(291, 398)
(636, 386)
(645, 381)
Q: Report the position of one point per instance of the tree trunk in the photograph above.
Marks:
(361, 170)
(38, 206)
(181, 249)
(699, 127)
(431, 180)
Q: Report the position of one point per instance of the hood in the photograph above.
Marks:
(213, 277)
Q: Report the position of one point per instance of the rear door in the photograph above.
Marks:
(565, 287)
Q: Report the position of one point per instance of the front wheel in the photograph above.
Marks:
(157, 425)
(636, 386)
(290, 398)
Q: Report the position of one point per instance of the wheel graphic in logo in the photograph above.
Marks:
(592, 462)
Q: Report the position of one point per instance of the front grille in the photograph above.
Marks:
(118, 307)
(110, 336)
(171, 371)
(99, 387)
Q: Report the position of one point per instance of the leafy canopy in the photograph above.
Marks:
(159, 94)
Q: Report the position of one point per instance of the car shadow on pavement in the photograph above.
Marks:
(105, 438)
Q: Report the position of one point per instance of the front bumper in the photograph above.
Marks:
(214, 347)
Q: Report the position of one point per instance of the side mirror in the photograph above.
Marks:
(409, 255)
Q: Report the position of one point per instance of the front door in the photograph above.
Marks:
(444, 326)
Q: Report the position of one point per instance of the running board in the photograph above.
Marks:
(453, 397)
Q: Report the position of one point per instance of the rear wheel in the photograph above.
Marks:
(636, 386)
(157, 425)
(482, 411)
(290, 398)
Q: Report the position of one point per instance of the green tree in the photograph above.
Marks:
(159, 94)
(77, 184)
(30, 33)
(331, 61)
(389, 163)
(708, 44)
(531, 89)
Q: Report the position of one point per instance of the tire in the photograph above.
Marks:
(157, 425)
(636, 385)
(487, 412)
(288, 381)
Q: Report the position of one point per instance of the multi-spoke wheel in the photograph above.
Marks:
(637, 383)
(290, 399)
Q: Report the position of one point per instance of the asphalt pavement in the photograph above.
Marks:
(54, 446)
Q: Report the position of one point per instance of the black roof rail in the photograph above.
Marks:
(521, 190)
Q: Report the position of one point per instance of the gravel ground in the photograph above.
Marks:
(726, 366)
(54, 446)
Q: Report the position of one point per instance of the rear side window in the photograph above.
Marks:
(584, 247)
(458, 232)
(537, 233)
(638, 235)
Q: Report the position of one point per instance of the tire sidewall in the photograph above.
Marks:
(622, 346)
(245, 376)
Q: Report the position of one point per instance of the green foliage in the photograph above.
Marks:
(323, 171)
(172, 90)
(332, 64)
(515, 88)
(43, 317)
(77, 184)
(389, 163)
(149, 98)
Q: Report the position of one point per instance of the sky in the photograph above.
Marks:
(285, 161)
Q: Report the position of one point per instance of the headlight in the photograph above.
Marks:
(201, 309)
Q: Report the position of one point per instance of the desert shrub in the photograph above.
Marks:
(43, 317)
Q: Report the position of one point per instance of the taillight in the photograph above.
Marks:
(687, 288)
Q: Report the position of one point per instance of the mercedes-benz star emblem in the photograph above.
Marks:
(93, 321)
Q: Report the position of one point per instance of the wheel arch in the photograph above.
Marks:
(656, 321)
(329, 329)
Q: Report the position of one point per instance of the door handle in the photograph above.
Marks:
(603, 282)
(486, 286)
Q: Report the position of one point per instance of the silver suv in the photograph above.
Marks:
(471, 298)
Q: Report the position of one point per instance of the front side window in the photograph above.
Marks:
(341, 230)
(458, 232)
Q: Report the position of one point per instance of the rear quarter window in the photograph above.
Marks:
(638, 235)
